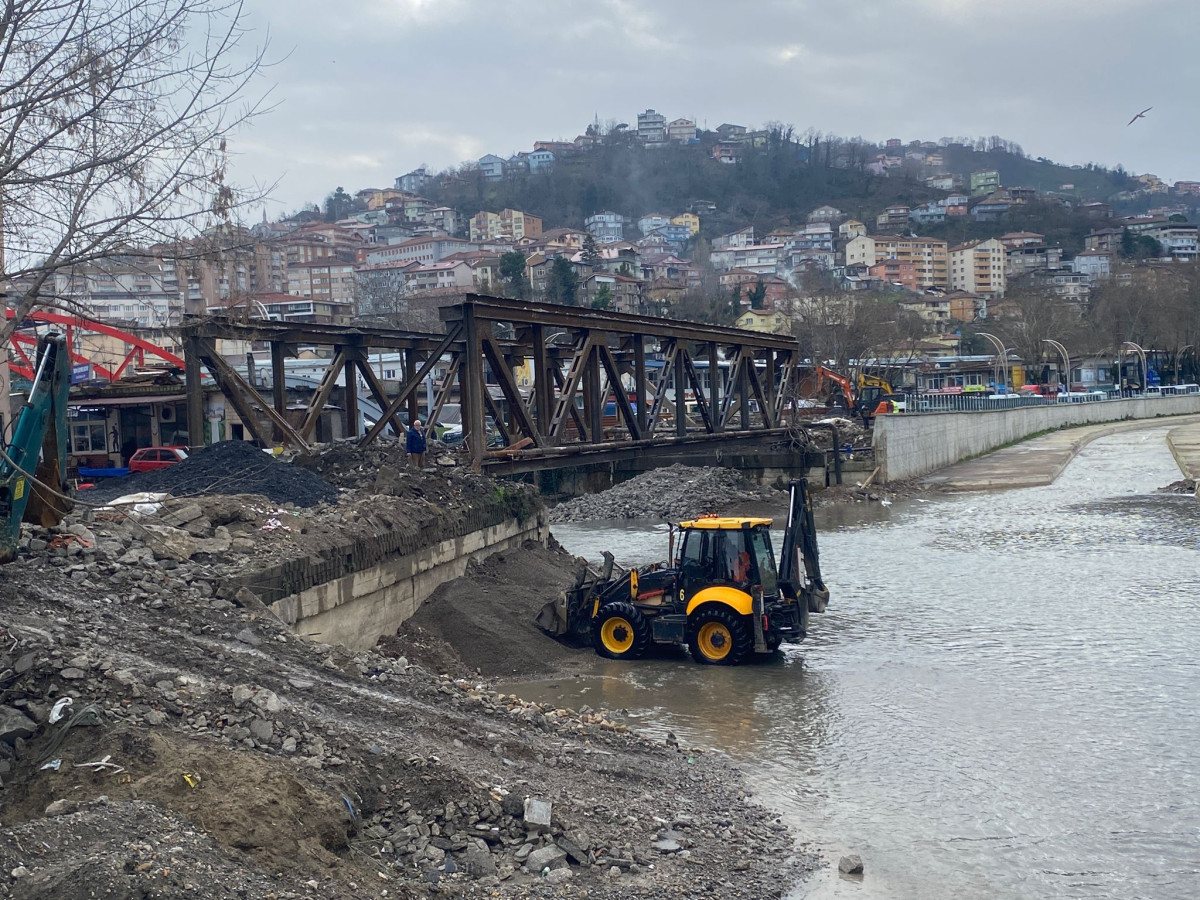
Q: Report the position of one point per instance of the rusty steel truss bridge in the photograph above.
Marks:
(539, 385)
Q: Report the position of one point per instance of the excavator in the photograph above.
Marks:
(721, 595)
(859, 397)
(38, 449)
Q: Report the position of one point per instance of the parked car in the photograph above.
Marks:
(150, 458)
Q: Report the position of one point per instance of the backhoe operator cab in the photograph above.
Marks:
(720, 592)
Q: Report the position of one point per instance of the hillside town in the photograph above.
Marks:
(396, 254)
(387, 245)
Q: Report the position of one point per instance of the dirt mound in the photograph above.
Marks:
(1183, 486)
(485, 620)
(227, 467)
(675, 492)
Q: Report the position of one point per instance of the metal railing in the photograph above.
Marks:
(976, 402)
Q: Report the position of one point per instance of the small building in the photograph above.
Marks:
(1095, 264)
(985, 181)
(606, 226)
(540, 161)
(492, 167)
(682, 131)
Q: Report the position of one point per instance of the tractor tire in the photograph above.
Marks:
(619, 631)
(718, 636)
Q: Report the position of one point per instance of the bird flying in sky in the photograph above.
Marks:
(1140, 115)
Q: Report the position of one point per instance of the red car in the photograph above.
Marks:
(149, 458)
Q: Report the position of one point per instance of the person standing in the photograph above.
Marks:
(415, 444)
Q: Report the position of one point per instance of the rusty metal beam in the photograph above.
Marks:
(521, 416)
(520, 312)
(234, 387)
(378, 393)
(622, 398)
(318, 400)
(411, 384)
(702, 404)
(560, 381)
(569, 385)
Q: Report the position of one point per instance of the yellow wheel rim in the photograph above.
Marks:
(617, 635)
(715, 640)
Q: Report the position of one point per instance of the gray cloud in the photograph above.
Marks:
(367, 94)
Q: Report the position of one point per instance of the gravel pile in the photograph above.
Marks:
(227, 467)
(675, 492)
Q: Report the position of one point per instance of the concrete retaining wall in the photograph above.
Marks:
(358, 609)
(911, 446)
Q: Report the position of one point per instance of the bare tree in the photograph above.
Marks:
(114, 118)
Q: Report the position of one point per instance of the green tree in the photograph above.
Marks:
(758, 295)
(563, 286)
(338, 205)
(512, 275)
(603, 298)
(591, 254)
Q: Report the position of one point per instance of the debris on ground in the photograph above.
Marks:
(227, 467)
(207, 751)
(1183, 486)
(670, 493)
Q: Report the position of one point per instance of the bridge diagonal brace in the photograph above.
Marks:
(768, 410)
(660, 388)
(569, 386)
(559, 380)
(375, 386)
(411, 384)
(701, 401)
(494, 408)
(520, 413)
(728, 389)
(783, 392)
(241, 394)
(622, 398)
(329, 380)
(444, 391)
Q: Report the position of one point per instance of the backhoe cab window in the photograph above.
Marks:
(760, 540)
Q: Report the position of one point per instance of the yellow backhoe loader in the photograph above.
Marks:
(719, 592)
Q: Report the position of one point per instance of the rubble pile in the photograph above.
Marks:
(672, 493)
(227, 467)
(162, 733)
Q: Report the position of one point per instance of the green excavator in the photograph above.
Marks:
(36, 458)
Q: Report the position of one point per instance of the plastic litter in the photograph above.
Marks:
(191, 779)
(60, 709)
(101, 765)
(140, 504)
(54, 765)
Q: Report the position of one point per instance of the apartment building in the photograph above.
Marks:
(979, 268)
(506, 225)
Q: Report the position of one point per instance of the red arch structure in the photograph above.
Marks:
(139, 347)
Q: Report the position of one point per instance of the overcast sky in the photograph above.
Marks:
(369, 91)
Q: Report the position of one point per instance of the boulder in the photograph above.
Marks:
(537, 813)
(850, 864)
(15, 724)
(543, 857)
(478, 863)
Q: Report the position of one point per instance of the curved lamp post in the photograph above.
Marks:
(1000, 352)
(1066, 359)
(1141, 356)
(1179, 355)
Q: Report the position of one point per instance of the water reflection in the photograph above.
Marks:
(1000, 701)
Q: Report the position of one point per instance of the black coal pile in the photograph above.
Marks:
(227, 467)
(675, 492)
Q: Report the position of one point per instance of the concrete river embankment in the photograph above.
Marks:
(999, 703)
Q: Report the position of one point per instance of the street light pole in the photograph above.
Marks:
(1178, 356)
(1142, 356)
(1066, 359)
(1001, 352)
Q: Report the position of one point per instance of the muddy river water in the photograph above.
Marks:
(1002, 701)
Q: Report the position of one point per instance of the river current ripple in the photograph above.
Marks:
(1002, 701)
